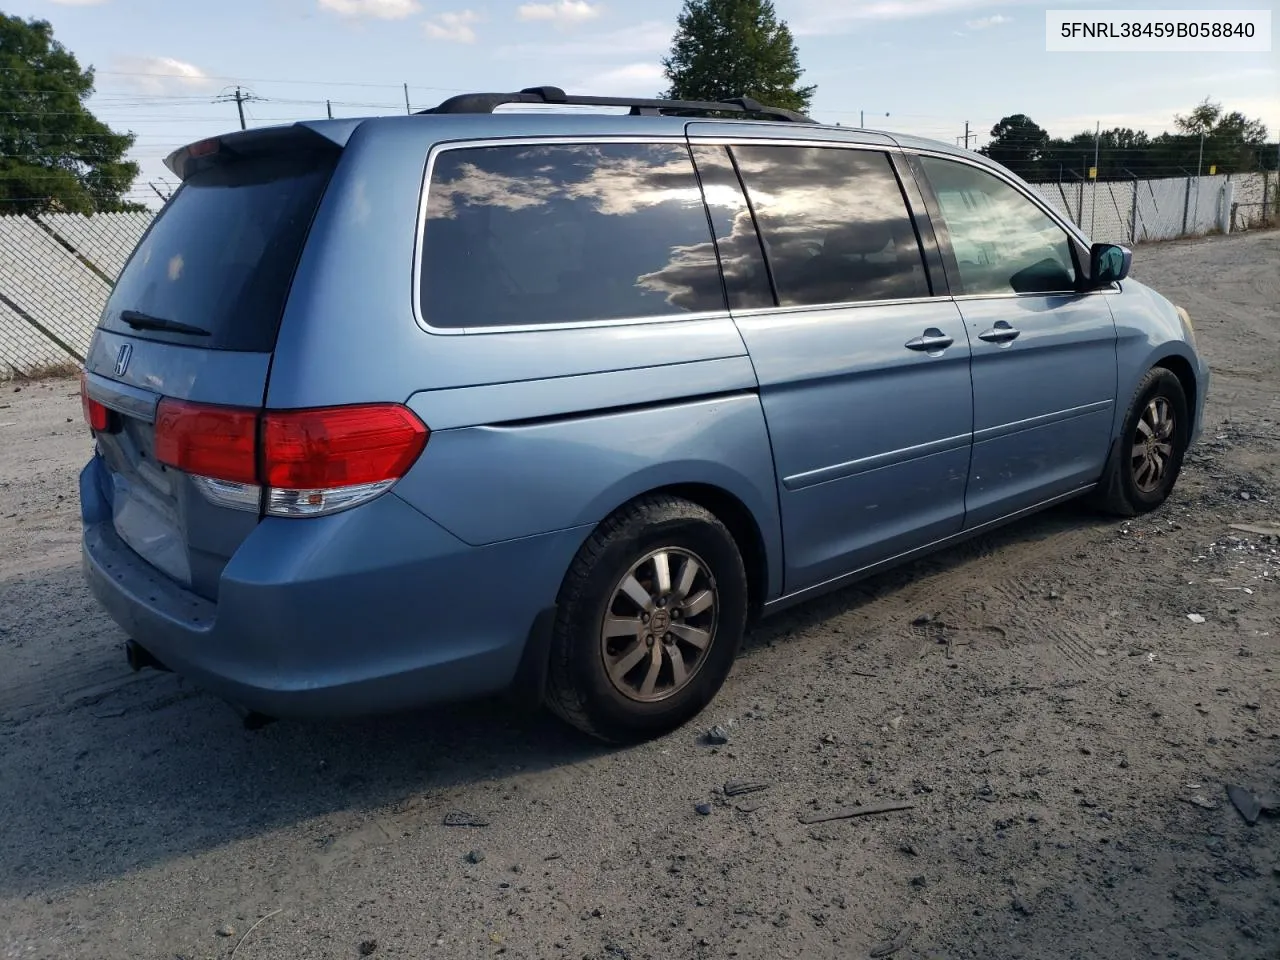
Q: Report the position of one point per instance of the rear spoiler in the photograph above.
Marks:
(308, 135)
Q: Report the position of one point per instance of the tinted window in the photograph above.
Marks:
(1003, 242)
(746, 278)
(834, 223)
(222, 253)
(566, 232)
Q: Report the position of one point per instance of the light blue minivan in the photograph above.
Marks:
(402, 410)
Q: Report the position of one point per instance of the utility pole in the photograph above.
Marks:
(967, 135)
(407, 109)
(241, 97)
(328, 105)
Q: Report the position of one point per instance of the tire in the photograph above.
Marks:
(607, 685)
(1139, 480)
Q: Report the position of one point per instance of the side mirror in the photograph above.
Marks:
(1108, 263)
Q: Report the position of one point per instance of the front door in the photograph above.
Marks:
(863, 373)
(1044, 355)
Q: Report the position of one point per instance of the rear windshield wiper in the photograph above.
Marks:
(144, 321)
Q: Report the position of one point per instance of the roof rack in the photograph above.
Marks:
(486, 102)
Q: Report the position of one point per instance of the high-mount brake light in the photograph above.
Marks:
(308, 462)
(204, 148)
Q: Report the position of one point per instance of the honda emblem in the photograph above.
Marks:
(122, 358)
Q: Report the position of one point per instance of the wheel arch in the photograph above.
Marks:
(735, 515)
(1181, 368)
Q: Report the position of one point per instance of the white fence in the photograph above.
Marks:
(55, 274)
(56, 270)
(1140, 211)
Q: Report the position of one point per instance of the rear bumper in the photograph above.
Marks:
(371, 610)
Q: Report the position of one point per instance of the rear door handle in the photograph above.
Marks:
(933, 341)
(1002, 332)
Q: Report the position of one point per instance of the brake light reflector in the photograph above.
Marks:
(97, 416)
(339, 446)
(208, 441)
(311, 462)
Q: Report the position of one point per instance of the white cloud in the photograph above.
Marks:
(814, 17)
(562, 11)
(632, 79)
(161, 75)
(994, 20)
(373, 9)
(454, 27)
(651, 38)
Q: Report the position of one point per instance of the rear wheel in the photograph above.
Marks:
(1153, 442)
(650, 618)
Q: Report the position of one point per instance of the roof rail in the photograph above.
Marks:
(486, 102)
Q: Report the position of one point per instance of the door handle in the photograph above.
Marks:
(1002, 332)
(933, 341)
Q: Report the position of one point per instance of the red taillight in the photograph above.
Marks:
(209, 441)
(339, 446)
(96, 415)
(318, 449)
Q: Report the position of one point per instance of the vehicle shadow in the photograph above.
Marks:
(1047, 525)
(130, 771)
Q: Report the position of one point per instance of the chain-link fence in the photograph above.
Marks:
(1141, 211)
(56, 272)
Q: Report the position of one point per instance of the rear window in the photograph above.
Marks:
(221, 256)
(563, 233)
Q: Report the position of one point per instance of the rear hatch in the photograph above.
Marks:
(193, 319)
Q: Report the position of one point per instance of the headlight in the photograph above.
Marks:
(1187, 328)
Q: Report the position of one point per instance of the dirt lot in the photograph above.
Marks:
(1063, 729)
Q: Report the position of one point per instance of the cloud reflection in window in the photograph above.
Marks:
(566, 232)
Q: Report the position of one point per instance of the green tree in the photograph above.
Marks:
(54, 153)
(1019, 143)
(735, 48)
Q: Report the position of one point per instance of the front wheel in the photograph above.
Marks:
(1153, 442)
(650, 619)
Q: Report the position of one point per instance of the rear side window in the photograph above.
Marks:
(835, 224)
(746, 279)
(564, 233)
(221, 255)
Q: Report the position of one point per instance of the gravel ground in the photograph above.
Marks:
(1062, 728)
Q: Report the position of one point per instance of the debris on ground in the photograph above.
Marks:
(1195, 618)
(367, 947)
(1250, 805)
(889, 947)
(475, 856)
(849, 813)
(1257, 530)
(226, 930)
(736, 788)
(704, 809)
(1203, 802)
(717, 736)
(458, 818)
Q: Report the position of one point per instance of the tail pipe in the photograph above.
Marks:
(140, 657)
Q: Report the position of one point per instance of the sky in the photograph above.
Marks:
(916, 66)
